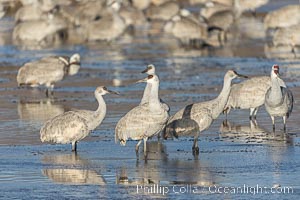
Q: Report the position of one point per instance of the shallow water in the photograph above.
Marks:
(232, 154)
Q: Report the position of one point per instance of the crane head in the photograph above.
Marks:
(150, 70)
(102, 90)
(275, 69)
(231, 74)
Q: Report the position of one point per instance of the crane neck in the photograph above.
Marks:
(154, 101)
(146, 94)
(275, 90)
(101, 110)
(221, 100)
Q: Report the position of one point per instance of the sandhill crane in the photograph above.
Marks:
(221, 21)
(132, 16)
(36, 11)
(202, 113)
(40, 33)
(288, 36)
(237, 6)
(150, 70)
(108, 26)
(47, 71)
(284, 17)
(143, 121)
(279, 99)
(164, 11)
(249, 94)
(141, 4)
(84, 12)
(241, 5)
(73, 126)
(196, 31)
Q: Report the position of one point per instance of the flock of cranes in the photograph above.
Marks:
(151, 116)
(207, 23)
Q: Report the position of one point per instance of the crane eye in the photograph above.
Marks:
(104, 88)
(276, 67)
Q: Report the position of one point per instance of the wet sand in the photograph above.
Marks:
(232, 154)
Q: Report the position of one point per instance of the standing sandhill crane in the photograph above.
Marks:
(284, 17)
(150, 70)
(48, 71)
(108, 26)
(288, 36)
(40, 33)
(279, 99)
(145, 120)
(249, 94)
(202, 113)
(196, 30)
(73, 126)
(221, 21)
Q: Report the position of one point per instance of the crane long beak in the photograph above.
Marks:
(113, 92)
(145, 71)
(142, 80)
(241, 76)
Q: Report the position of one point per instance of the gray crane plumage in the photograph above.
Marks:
(145, 120)
(249, 94)
(47, 71)
(202, 113)
(279, 99)
(73, 126)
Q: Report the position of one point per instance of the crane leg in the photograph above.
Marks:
(273, 122)
(255, 112)
(145, 148)
(49, 91)
(158, 136)
(252, 110)
(294, 52)
(195, 145)
(284, 123)
(137, 146)
(226, 111)
(74, 146)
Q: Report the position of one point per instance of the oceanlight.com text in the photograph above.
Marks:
(214, 189)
